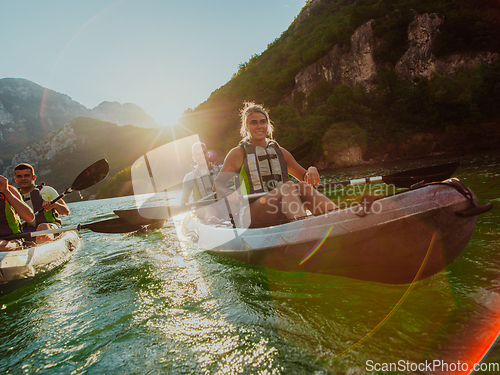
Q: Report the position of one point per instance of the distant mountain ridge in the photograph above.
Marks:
(29, 112)
(123, 114)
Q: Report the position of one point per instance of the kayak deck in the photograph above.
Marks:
(406, 237)
(19, 267)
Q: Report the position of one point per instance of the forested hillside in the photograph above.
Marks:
(393, 115)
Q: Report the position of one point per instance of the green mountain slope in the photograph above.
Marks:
(398, 117)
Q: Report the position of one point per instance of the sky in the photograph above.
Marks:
(165, 56)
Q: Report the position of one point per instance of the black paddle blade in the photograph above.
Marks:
(303, 150)
(116, 225)
(433, 173)
(148, 215)
(92, 175)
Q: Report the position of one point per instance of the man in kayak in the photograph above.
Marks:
(264, 167)
(12, 207)
(200, 181)
(39, 197)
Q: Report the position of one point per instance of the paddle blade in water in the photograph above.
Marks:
(92, 175)
(303, 150)
(116, 225)
(146, 215)
(433, 173)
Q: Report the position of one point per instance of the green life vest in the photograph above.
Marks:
(9, 220)
(263, 169)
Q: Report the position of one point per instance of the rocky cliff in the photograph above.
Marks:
(353, 67)
(419, 59)
(41, 154)
(357, 65)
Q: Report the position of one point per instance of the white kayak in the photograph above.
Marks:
(400, 239)
(19, 267)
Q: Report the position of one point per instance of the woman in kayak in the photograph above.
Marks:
(264, 167)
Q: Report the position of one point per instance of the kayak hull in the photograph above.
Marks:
(404, 238)
(20, 267)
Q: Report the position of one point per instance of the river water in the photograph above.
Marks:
(152, 303)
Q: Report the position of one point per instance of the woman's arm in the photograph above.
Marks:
(311, 175)
(232, 164)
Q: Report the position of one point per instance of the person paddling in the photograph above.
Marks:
(39, 197)
(12, 209)
(265, 166)
(199, 182)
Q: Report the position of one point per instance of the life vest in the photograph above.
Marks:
(204, 181)
(9, 220)
(264, 169)
(34, 200)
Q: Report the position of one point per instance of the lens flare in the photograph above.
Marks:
(316, 247)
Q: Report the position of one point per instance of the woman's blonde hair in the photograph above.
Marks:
(247, 110)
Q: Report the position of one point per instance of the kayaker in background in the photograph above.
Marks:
(200, 181)
(12, 207)
(265, 166)
(38, 197)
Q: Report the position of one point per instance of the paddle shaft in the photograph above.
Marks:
(115, 225)
(29, 235)
(403, 179)
(358, 181)
(66, 192)
(400, 179)
(88, 177)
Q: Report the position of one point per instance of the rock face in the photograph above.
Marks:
(419, 60)
(39, 153)
(357, 67)
(307, 11)
(353, 68)
(24, 104)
